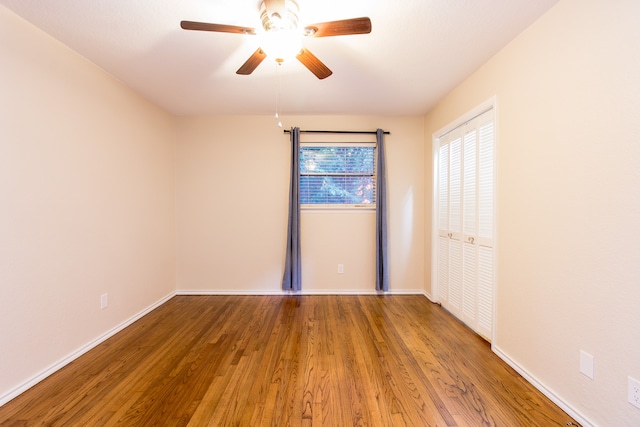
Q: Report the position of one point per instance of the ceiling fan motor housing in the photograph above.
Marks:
(279, 15)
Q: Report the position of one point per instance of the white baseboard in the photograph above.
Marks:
(543, 389)
(11, 394)
(429, 297)
(303, 292)
(187, 292)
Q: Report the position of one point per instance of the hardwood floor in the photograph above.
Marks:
(288, 361)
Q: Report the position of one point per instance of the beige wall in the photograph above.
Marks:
(568, 206)
(86, 202)
(232, 183)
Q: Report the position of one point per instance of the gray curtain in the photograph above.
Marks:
(292, 266)
(382, 270)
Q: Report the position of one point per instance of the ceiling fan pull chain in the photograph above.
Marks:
(277, 116)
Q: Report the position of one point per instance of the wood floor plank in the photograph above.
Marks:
(288, 361)
(416, 386)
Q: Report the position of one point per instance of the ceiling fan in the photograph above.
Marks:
(280, 23)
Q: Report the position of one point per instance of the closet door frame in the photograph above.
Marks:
(435, 240)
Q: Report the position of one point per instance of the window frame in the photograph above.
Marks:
(342, 206)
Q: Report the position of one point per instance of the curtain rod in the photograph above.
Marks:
(339, 131)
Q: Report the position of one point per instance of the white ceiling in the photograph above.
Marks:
(417, 52)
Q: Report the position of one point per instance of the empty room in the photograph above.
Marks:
(294, 212)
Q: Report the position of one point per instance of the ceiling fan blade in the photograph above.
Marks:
(220, 28)
(339, 28)
(314, 65)
(252, 63)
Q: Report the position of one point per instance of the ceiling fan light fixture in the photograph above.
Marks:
(281, 45)
(281, 37)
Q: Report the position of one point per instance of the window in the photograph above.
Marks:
(337, 175)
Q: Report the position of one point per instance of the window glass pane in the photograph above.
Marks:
(337, 175)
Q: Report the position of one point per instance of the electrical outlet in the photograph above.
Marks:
(340, 268)
(634, 392)
(104, 301)
(586, 364)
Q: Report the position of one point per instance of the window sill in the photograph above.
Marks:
(338, 208)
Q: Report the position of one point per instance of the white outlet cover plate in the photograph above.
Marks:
(634, 392)
(586, 364)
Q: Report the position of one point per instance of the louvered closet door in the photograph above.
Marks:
(485, 240)
(450, 223)
(465, 222)
(470, 255)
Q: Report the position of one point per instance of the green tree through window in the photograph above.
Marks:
(337, 175)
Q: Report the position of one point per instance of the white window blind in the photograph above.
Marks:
(334, 174)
